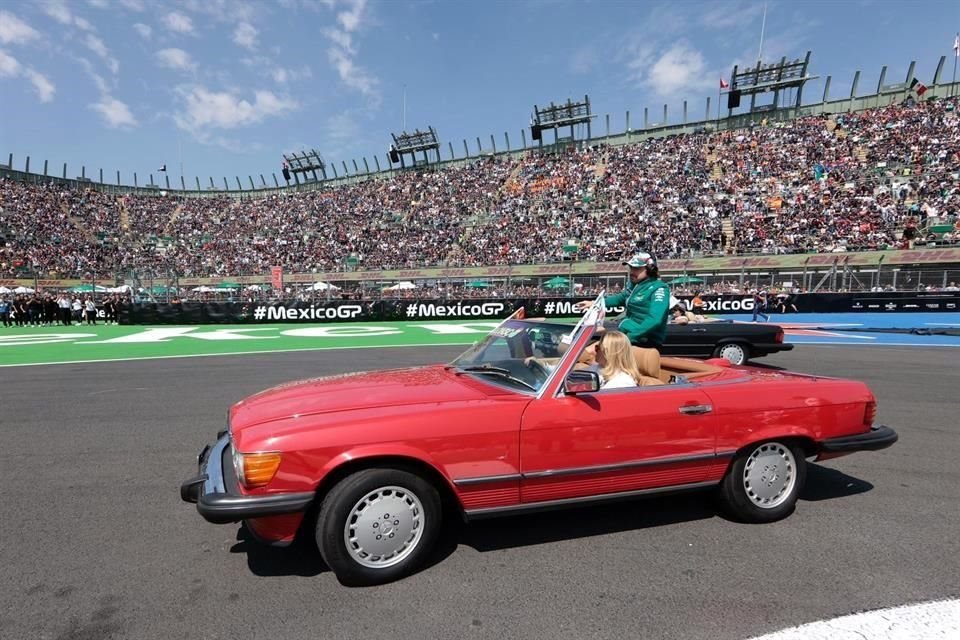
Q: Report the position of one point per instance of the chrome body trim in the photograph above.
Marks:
(214, 467)
(469, 482)
(621, 466)
(566, 502)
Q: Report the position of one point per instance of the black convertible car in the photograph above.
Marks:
(735, 341)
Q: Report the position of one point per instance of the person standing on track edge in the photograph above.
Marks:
(647, 302)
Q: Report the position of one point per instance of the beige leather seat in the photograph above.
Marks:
(648, 362)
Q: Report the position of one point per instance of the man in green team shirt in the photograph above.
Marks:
(647, 302)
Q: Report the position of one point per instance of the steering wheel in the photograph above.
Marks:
(536, 367)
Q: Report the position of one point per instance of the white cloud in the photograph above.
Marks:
(680, 67)
(728, 15)
(175, 59)
(133, 5)
(352, 75)
(115, 113)
(96, 45)
(144, 30)
(283, 76)
(350, 19)
(41, 85)
(205, 109)
(341, 53)
(584, 59)
(178, 22)
(245, 35)
(228, 11)
(341, 39)
(98, 80)
(58, 10)
(99, 4)
(10, 67)
(13, 30)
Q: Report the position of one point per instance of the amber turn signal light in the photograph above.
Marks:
(256, 469)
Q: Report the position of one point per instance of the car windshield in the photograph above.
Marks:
(519, 354)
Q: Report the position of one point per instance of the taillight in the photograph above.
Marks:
(779, 337)
(256, 469)
(870, 413)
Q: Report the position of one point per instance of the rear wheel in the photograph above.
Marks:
(734, 352)
(378, 525)
(764, 482)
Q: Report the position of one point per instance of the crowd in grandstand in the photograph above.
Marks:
(853, 181)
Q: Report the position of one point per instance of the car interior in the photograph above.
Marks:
(657, 370)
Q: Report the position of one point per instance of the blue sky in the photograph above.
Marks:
(127, 84)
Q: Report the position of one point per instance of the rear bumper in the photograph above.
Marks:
(217, 495)
(765, 349)
(879, 437)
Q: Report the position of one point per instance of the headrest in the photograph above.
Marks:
(648, 361)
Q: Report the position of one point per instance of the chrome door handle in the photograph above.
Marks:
(696, 409)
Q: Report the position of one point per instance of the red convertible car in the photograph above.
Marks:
(369, 464)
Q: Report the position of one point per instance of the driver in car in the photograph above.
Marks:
(615, 363)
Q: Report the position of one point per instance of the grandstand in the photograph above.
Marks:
(864, 174)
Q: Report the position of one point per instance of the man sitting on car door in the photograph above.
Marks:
(647, 302)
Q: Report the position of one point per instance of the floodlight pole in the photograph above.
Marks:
(956, 54)
(763, 27)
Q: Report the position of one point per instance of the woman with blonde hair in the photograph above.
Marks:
(617, 366)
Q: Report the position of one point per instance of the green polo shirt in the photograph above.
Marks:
(648, 309)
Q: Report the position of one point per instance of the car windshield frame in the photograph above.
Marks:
(511, 328)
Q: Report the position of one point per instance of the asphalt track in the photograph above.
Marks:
(95, 543)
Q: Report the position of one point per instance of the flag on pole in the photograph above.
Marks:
(956, 46)
(162, 168)
(724, 84)
(919, 87)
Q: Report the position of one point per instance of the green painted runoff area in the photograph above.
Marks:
(20, 346)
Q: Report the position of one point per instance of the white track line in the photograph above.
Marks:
(872, 344)
(237, 353)
(927, 621)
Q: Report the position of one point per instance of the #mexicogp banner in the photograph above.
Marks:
(476, 309)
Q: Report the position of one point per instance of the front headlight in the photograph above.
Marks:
(256, 469)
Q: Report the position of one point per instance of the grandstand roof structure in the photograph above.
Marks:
(885, 93)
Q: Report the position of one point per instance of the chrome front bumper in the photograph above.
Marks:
(216, 492)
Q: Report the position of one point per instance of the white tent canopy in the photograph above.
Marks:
(5, 290)
(23, 290)
(124, 288)
(406, 284)
(203, 289)
(323, 286)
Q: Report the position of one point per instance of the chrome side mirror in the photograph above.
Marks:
(581, 382)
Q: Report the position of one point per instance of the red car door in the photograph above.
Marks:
(617, 441)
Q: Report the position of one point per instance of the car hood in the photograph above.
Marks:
(351, 391)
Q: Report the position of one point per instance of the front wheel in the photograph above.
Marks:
(734, 352)
(378, 525)
(764, 482)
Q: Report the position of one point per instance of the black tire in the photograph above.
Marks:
(741, 501)
(742, 358)
(339, 505)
